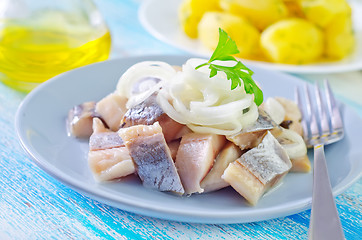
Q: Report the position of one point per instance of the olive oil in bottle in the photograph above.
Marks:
(41, 39)
(31, 56)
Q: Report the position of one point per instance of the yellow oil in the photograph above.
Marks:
(29, 57)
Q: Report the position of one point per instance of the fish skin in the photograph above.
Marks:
(152, 157)
(80, 120)
(258, 169)
(108, 158)
(267, 160)
(106, 140)
(147, 113)
(195, 157)
(251, 136)
(103, 138)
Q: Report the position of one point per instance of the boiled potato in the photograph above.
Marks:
(340, 40)
(294, 8)
(293, 41)
(321, 12)
(245, 35)
(191, 11)
(261, 13)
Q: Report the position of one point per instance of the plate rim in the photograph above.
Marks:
(144, 209)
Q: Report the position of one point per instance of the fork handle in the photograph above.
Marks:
(324, 222)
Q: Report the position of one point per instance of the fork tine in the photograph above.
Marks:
(312, 117)
(336, 119)
(299, 102)
(321, 109)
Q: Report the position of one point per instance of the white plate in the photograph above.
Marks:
(40, 124)
(159, 17)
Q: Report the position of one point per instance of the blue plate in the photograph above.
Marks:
(40, 125)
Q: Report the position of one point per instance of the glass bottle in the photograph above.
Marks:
(42, 38)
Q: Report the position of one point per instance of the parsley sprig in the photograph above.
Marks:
(237, 73)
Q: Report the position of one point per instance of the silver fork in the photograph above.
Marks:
(322, 125)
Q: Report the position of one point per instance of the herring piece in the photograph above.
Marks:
(251, 136)
(301, 164)
(80, 120)
(110, 164)
(195, 157)
(293, 115)
(259, 169)
(147, 113)
(173, 146)
(106, 140)
(108, 158)
(152, 157)
(98, 126)
(112, 109)
(103, 138)
(213, 180)
(184, 130)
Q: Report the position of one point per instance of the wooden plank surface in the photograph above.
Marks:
(33, 205)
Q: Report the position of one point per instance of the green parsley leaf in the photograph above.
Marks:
(225, 48)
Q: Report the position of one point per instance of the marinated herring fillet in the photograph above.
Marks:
(112, 109)
(103, 138)
(106, 140)
(147, 113)
(259, 169)
(301, 164)
(80, 119)
(213, 180)
(195, 157)
(110, 164)
(293, 116)
(173, 146)
(108, 158)
(251, 136)
(152, 157)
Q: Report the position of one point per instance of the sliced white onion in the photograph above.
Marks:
(250, 116)
(191, 97)
(210, 98)
(139, 71)
(163, 101)
(207, 104)
(230, 129)
(293, 143)
(135, 99)
(275, 110)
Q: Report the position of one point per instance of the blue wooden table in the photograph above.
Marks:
(33, 205)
